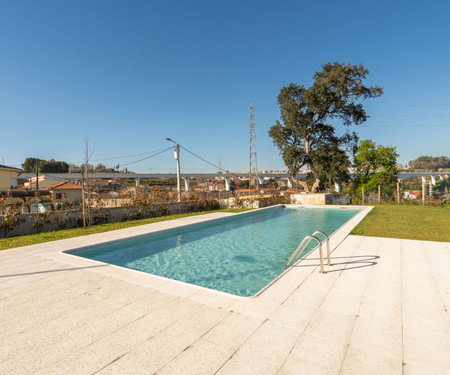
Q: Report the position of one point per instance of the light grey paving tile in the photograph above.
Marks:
(259, 307)
(213, 299)
(264, 353)
(379, 309)
(44, 354)
(106, 324)
(415, 369)
(313, 290)
(384, 337)
(360, 361)
(293, 315)
(133, 276)
(24, 294)
(233, 331)
(115, 368)
(348, 285)
(85, 361)
(203, 357)
(178, 288)
(85, 281)
(315, 355)
(426, 348)
(28, 339)
(280, 290)
(158, 351)
(202, 320)
(342, 302)
(128, 337)
(389, 293)
(139, 331)
(131, 294)
(437, 322)
(298, 273)
(174, 311)
(12, 283)
(428, 298)
(151, 302)
(332, 325)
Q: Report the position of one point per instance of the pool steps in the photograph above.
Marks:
(296, 254)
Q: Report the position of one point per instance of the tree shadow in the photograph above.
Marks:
(49, 271)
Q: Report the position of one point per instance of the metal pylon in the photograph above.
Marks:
(253, 170)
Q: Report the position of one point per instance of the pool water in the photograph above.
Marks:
(238, 255)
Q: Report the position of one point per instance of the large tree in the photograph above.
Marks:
(304, 132)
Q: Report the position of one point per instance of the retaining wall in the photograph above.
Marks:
(49, 221)
(318, 198)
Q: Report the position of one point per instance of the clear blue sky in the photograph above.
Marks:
(128, 74)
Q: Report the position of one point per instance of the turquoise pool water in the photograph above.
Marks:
(238, 255)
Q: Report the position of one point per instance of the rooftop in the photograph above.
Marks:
(5, 167)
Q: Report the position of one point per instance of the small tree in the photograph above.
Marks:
(375, 165)
(9, 214)
(305, 112)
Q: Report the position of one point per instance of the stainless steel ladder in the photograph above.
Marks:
(296, 254)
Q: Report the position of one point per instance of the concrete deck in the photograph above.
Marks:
(382, 308)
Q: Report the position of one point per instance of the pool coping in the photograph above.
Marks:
(57, 251)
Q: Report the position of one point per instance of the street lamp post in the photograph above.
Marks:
(177, 158)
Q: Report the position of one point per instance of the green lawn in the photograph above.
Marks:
(31, 239)
(427, 223)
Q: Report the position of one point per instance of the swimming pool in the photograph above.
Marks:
(238, 255)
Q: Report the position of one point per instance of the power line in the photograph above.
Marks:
(410, 115)
(206, 161)
(127, 156)
(118, 157)
(148, 157)
(409, 105)
(408, 126)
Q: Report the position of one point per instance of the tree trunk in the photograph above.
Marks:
(316, 184)
(301, 183)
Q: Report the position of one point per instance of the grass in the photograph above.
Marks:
(427, 223)
(31, 239)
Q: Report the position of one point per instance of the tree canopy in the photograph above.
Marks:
(430, 163)
(304, 135)
(375, 165)
(45, 166)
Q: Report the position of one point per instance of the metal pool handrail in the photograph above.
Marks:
(301, 247)
(328, 243)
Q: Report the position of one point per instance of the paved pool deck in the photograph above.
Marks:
(381, 308)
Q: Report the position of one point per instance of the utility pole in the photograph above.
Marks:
(253, 171)
(83, 198)
(177, 158)
(37, 176)
(87, 199)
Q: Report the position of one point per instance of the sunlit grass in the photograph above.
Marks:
(427, 223)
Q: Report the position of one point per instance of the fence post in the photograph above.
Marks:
(423, 192)
(379, 194)
(398, 192)
(362, 195)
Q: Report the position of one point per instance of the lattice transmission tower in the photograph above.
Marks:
(253, 171)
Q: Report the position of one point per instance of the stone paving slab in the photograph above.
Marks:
(381, 308)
